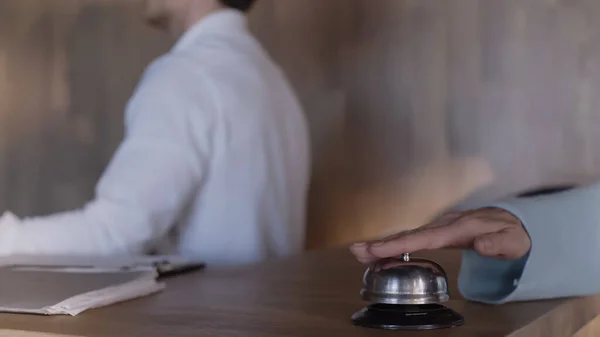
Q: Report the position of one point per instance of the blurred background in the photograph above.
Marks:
(414, 105)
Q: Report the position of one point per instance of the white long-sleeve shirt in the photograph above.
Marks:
(215, 156)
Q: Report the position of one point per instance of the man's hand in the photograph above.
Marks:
(491, 232)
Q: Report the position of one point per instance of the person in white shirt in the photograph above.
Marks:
(215, 159)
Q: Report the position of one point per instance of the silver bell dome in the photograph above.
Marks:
(405, 280)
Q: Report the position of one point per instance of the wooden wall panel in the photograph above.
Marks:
(68, 67)
(403, 96)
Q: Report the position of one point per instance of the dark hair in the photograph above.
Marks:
(242, 5)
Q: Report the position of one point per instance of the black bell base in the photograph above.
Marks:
(407, 317)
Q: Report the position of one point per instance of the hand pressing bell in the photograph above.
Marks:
(491, 232)
(405, 293)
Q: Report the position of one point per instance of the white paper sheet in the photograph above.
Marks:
(70, 291)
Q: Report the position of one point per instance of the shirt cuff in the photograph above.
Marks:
(488, 280)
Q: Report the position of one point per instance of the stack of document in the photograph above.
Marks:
(69, 286)
(70, 291)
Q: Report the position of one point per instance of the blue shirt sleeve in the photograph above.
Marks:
(565, 234)
(488, 280)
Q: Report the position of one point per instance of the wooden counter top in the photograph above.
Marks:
(311, 295)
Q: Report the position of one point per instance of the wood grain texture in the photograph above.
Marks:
(509, 81)
(394, 90)
(310, 295)
(591, 329)
(66, 71)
